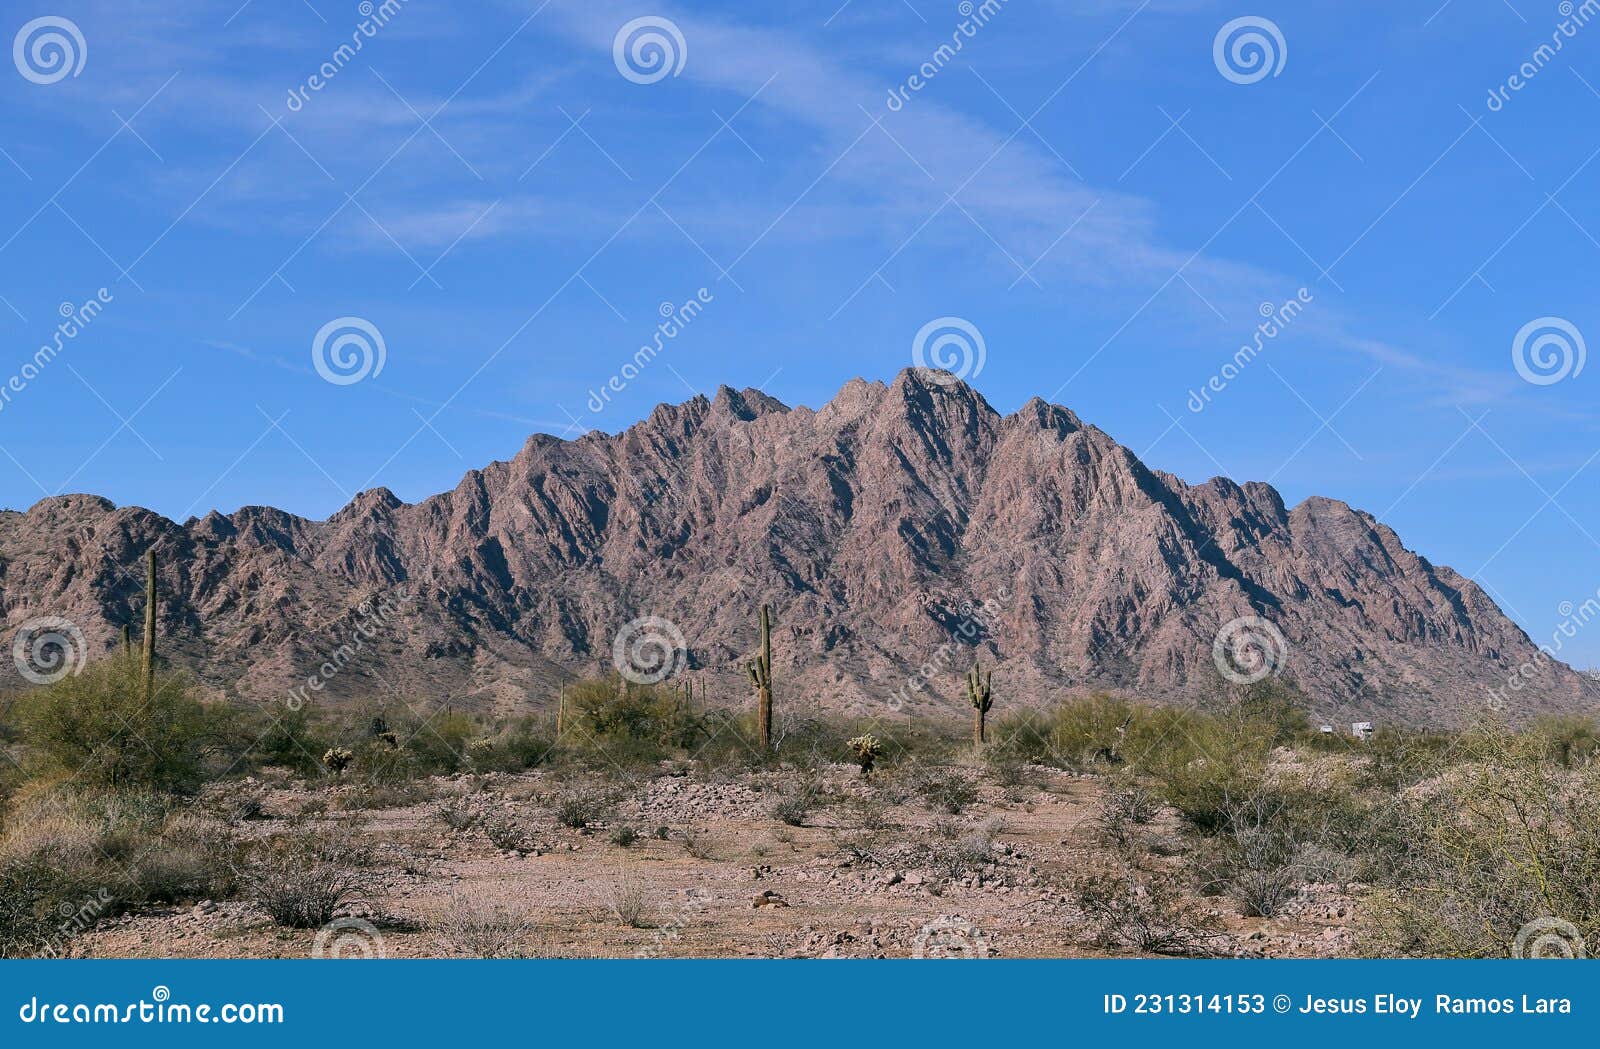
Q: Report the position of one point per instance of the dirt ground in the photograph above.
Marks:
(728, 879)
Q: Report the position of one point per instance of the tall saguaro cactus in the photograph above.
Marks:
(760, 670)
(149, 625)
(980, 692)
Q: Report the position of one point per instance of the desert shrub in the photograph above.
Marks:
(458, 813)
(698, 843)
(630, 904)
(1006, 767)
(96, 726)
(632, 723)
(70, 857)
(869, 812)
(947, 790)
(1272, 706)
(959, 852)
(1125, 803)
(48, 862)
(1571, 741)
(623, 836)
(791, 808)
(581, 805)
(1103, 730)
(1129, 908)
(292, 739)
(191, 858)
(1506, 838)
(1212, 765)
(521, 744)
(1396, 759)
(505, 830)
(476, 925)
(303, 878)
(798, 795)
(439, 744)
(372, 796)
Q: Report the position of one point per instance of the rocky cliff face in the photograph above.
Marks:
(898, 531)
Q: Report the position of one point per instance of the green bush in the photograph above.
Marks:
(1507, 837)
(97, 727)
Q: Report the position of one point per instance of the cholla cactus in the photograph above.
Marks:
(867, 750)
(481, 749)
(337, 759)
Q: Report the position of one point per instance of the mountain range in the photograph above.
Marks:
(899, 532)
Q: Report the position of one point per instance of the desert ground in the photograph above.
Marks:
(712, 872)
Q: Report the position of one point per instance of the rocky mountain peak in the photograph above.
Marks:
(899, 531)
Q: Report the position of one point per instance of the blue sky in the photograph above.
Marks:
(1081, 183)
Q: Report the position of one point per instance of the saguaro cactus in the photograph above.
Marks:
(149, 625)
(980, 692)
(760, 669)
